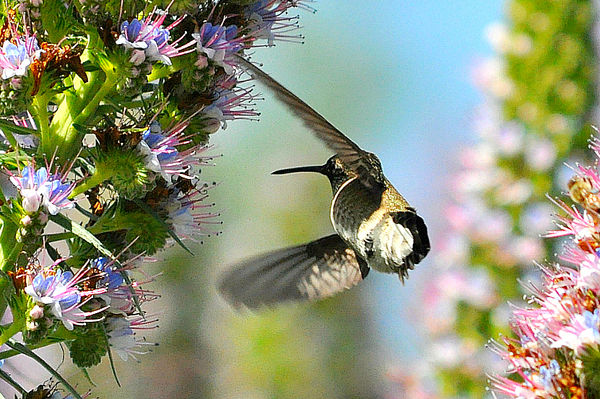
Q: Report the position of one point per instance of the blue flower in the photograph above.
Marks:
(39, 188)
(149, 40)
(111, 279)
(219, 43)
(16, 58)
(55, 288)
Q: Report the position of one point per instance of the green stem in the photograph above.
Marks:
(159, 72)
(78, 103)
(39, 109)
(8, 332)
(58, 237)
(91, 182)
(46, 342)
(69, 133)
(9, 247)
(112, 78)
(28, 352)
(8, 379)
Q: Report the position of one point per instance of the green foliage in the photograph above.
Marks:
(89, 347)
(591, 372)
(64, 20)
(125, 170)
(147, 233)
(553, 81)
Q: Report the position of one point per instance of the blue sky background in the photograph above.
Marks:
(394, 76)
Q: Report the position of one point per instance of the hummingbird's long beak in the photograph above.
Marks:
(318, 169)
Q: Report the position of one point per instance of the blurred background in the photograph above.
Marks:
(395, 77)
(472, 121)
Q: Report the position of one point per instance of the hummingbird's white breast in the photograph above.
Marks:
(361, 221)
(392, 242)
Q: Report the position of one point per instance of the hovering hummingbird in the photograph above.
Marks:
(375, 226)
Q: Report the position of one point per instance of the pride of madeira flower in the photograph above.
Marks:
(557, 350)
(16, 57)
(149, 40)
(38, 188)
(123, 98)
(58, 291)
(162, 155)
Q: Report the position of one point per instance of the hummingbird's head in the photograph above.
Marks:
(334, 169)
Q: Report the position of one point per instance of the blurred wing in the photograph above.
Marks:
(307, 272)
(350, 153)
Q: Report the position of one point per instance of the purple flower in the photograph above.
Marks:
(58, 290)
(39, 188)
(162, 154)
(269, 20)
(230, 105)
(219, 43)
(16, 58)
(556, 337)
(149, 40)
(121, 335)
(117, 296)
(581, 333)
(188, 215)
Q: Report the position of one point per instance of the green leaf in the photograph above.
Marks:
(62, 19)
(12, 128)
(14, 158)
(81, 232)
(29, 353)
(88, 377)
(54, 255)
(90, 67)
(89, 347)
(80, 128)
(6, 377)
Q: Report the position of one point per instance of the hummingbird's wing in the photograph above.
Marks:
(347, 150)
(305, 272)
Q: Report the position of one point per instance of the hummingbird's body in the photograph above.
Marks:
(365, 222)
(375, 226)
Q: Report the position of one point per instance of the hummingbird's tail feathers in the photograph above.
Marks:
(306, 272)
(421, 246)
(317, 169)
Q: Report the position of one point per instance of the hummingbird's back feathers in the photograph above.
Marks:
(358, 160)
(310, 272)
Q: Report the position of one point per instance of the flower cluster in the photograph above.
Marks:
(15, 58)
(557, 349)
(118, 101)
(147, 39)
(37, 187)
(525, 130)
(58, 292)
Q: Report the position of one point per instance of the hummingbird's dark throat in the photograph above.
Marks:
(317, 169)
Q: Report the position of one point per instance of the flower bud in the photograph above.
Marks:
(36, 312)
(31, 200)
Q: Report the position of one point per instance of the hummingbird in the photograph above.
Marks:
(375, 227)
